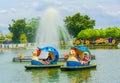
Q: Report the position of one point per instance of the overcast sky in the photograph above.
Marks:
(105, 12)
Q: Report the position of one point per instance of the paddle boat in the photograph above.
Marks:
(50, 62)
(78, 58)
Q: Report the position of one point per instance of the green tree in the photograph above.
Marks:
(77, 22)
(102, 33)
(2, 38)
(23, 26)
(17, 28)
(88, 34)
(23, 38)
(92, 34)
(9, 37)
(113, 32)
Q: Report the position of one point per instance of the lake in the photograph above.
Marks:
(107, 71)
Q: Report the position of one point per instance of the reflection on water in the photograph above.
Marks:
(58, 76)
(81, 76)
(44, 75)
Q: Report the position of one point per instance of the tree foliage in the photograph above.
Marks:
(23, 38)
(1, 37)
(17, 28)
(22, 26)
(77, 22)
(113, 32)
(88, 34)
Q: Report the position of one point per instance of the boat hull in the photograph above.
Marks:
(74, 68)
(42, 66)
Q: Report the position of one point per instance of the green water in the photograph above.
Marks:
(107, 71)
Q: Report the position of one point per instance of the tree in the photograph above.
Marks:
(112, 32)
(1, 37)
(102, 33)
(23, 38)
(88, 34)
(21, 26)
(77, 22)
(9, 37)
(17, 28)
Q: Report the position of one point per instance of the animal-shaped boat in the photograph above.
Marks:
(50, 62)
(78, 58)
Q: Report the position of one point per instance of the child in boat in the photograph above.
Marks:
(86, 59)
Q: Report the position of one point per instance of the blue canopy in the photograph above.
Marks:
(51, 49)
(82, 48)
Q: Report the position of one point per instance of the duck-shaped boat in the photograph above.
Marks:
(49, 62)
(78, 58)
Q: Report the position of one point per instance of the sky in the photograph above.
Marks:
(105, 12)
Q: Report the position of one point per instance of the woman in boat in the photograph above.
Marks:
(86, 59)
(49, 58)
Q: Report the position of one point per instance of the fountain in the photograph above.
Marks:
(51, 26)
(49, 34)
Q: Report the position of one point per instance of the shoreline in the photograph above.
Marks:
(32, 46)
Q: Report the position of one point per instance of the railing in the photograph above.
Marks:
(12, 46)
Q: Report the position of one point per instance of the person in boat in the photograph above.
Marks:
(86, 59)
(49, 58)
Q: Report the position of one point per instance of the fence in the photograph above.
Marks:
(25, 45)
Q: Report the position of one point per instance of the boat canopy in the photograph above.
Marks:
(80, 50)
(54, 51)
